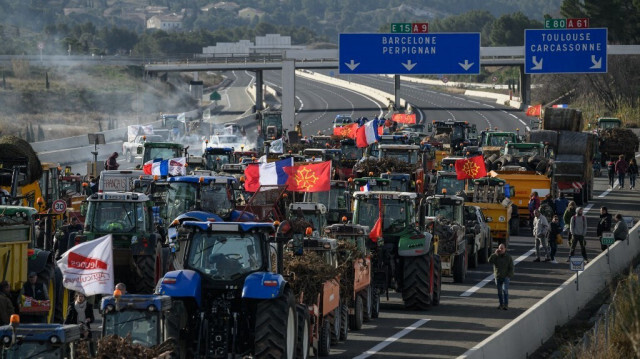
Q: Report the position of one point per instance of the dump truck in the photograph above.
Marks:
(39, 340)
(138, 254)
(524, 183)
(444, 221)
(234, 303)
(407, 261)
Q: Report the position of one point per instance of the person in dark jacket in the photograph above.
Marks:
(633, 173)
(37, 291)
(621, 170)
(604, 224)
(502, 271)
(621, 230)
(80, 312)
(561, 205)
(6, 306)
(111, 163)
(611, 171)
(554, 229)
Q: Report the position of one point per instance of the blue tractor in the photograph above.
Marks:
(149, 319)
(20, 341)
(234, 300)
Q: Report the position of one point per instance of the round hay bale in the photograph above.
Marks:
(544, 136)
(574, 143)
(13, 150)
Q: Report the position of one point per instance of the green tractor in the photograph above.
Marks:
(407, 260)
(138, 256)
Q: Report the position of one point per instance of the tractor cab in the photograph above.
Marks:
(337, 201)
(39, 340)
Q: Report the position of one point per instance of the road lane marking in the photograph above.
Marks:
(489, 278)
(514, 116)
(392, 339)
(605, 193)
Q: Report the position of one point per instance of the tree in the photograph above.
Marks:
(508, 30)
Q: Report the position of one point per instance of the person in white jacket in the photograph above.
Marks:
(540, 232)
(578, 229)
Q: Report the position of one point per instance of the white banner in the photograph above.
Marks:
(88, 267)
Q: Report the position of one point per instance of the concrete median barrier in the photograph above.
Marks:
(526, 333)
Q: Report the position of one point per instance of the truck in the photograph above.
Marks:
(444, 222)
(158, 150)
(407, 261)
(573, 153)
(138, 255)
(39, 340)
(19, 257)
(234, 302)
(524, 184)
(130, 148)
(492, 195)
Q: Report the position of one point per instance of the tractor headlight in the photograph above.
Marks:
(152, 308)
(54, 339)
(6, 340)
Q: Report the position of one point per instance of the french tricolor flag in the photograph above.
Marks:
(365, 188)
(266, 174)
(561, 106)
(367, 133)
(160, 167)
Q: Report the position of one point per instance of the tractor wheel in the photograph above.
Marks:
(460, 268)
(302, 343)
(355, 322)
(145, 274)
(176, 320)
(335, 326)
(375, 305)
(437, 280)
(483, 256)
(366, 315)
(344, 322)
(416, 293)
(324, 342)
(275, 330)
(473, 258)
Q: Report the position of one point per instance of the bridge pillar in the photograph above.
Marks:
(396, 90)
(288, 94)
(259, 87)
(525, 87)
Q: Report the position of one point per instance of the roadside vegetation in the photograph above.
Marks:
(623, 337)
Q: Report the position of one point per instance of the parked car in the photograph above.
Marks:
(478, 235)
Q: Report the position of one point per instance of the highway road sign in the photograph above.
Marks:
(550, 51)
(576, 264)
(215, 96)
(59, 206)
(444, 53)
(607, 239)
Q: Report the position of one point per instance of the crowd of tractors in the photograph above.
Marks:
(216, 271)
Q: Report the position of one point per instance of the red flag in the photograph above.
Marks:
(534, 110)
(376, 231)
(348, 131)
(470, 168)
(309, 178)
(404, 118)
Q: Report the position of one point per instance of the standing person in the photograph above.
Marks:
(621, 230)
(80, 312)
(540, 232)
(561, 205)
(6, 306)
(633, 173)
(621, 170)
(578, 229)
(298, 129)
(111, 163)
(534, 204)
(37, 291)
(502, 271)
(555, 230)
(604, 225)
(548, 207)
(568, 213)
(611, 171)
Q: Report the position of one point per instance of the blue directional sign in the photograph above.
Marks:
(444, 53)
(550, 51)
